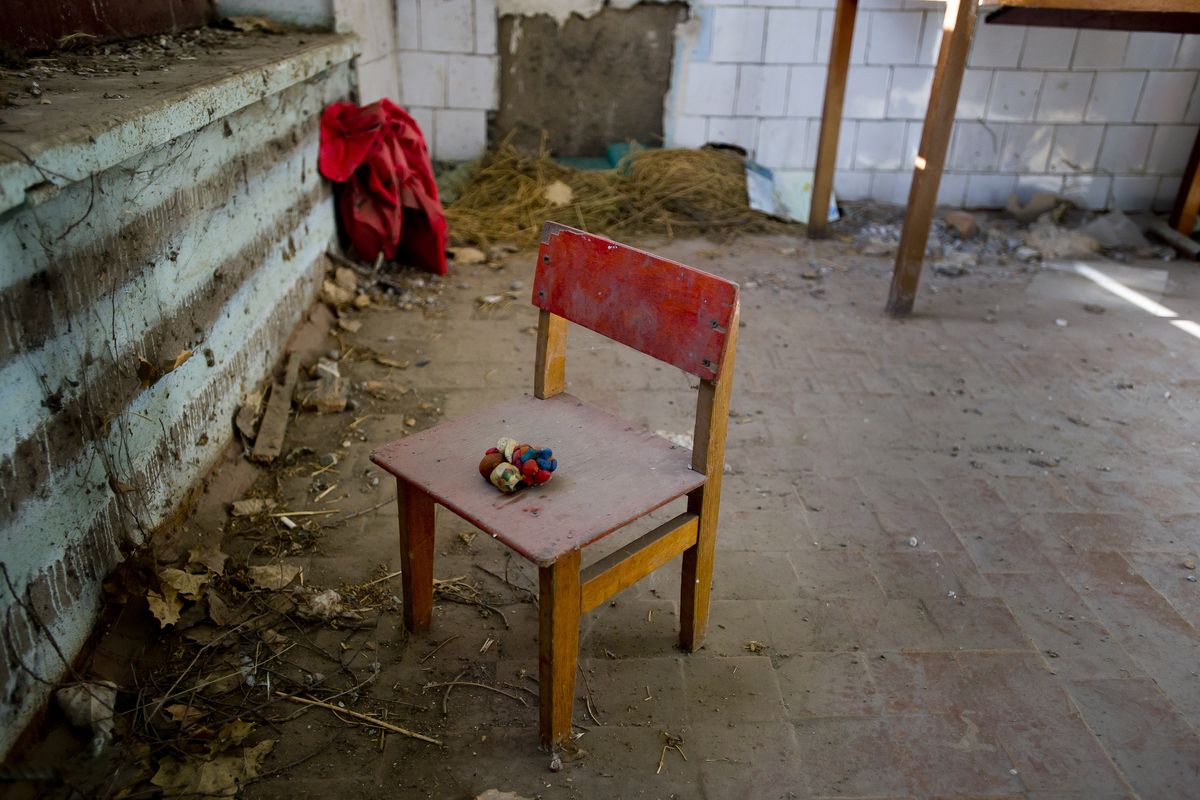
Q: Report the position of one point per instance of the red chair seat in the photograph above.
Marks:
(610, 473)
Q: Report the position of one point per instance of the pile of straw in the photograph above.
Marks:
(665, 192)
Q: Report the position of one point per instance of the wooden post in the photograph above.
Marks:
(831, 117)
(416, 554)
(1187, 202)
(708, 456)
(957, 28)
(550, 369)
(558, 646)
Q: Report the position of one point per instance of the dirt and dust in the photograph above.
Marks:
(979, 429)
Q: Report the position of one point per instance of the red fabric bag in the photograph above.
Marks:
(388, 201)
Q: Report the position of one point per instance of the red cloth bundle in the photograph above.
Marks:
(389, 201)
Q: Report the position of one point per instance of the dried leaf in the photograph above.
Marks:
(120, 488)
(189, 586)
(204, 778)
(184, 715)
(345, 278)
(230, 735)
(391, 362)
(218, 610)
(273, 576)
(558, 194)
(147, 373)
(180, 360)
(252, 23)
(334, 295)
(208, 556)
(166, 606)
(251, 506)
(467, 255)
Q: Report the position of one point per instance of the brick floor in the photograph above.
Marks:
(1040, 640)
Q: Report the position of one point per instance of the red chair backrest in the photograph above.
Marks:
(665, 309)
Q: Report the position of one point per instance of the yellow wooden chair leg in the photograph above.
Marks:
(696, 582)
(558, 647)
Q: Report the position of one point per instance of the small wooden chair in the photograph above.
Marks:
(610, 472)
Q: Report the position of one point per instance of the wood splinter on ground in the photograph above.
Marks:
(362, 717)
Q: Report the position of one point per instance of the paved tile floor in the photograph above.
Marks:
(1040, 639)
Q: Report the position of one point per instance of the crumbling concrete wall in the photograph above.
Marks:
(150, 238)
(586, 81)
(1106, 118)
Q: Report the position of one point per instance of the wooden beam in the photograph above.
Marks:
(558, 647)
(1156, 21)
(1157, 6)
(957, 27)
(550, 368)
(268, 444)
(831, 117)
(636, 560)
(1187, 201)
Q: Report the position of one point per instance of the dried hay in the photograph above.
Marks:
(663, 192)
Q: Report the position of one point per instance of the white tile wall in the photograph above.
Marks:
(1048, 48)
(806, 91)
(1152, 50)
(690, 131)
(1026, 149)
(447, 26)
(1087, 191)
(1134, 192)
(989, 191)
(879, 145)
(866, 93)
(739, 34)
(895, 37)
(423, 79)
(975, 147)
(762, 90)
(1170, 148)
(1014, 96)
(1107, 116)
(711, 89)
(471, 82)
(1115, 96)
(781, 142)
(1076, 148)
(1064, 96)
(973, 96)
(1100, 49)
(449, 71)
(485, 27)
(891, 187)
(1125, 148)
(791, 36)
(1163, 99)
(1188, 56)
(459, 134)
(733, 130)
(910, 92)
(996, 46)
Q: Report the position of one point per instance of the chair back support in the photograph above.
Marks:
(664, 309)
